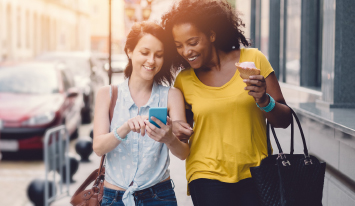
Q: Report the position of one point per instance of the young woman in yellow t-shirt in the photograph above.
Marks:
(228, 117)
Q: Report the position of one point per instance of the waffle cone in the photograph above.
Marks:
(246, 72)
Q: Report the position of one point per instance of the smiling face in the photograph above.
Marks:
(193, 45)
(147, 57)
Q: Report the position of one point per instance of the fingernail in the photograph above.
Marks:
(245, 88)
(191, 128)
(152, 118)
(245, 80)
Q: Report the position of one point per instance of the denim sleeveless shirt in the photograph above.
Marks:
(139, 162)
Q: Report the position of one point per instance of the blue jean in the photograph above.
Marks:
(161, 194)
(206, 192)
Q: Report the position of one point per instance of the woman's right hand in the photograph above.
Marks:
(136, 124)
(182, 130)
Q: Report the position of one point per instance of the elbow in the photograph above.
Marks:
(285, 124)
(184, 157)
(97, 150)
(99, 153)
(282, 125)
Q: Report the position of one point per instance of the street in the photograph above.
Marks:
(15, 176)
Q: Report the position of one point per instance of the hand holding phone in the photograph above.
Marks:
(158, 112)
(162, 135)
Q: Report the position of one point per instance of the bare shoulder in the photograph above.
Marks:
(175, 98)
(175, 93)
(103, 95)
(176, 104)
(104, 89)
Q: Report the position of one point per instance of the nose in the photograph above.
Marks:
(186, 52)
(151, 59)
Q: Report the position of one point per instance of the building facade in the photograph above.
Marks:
(29, 28)
(310, 46)
(99, 11)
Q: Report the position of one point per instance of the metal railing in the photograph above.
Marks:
(56, 148)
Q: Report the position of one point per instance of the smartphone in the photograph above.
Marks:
(158, 112)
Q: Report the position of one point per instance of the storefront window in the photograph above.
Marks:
(264, 43)
(293, 42)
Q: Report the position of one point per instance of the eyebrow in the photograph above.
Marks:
(149, 49)
(188, 39)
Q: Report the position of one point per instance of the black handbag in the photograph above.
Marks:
(289, 179)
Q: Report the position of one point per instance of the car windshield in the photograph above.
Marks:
(28, 80)
(79, 66)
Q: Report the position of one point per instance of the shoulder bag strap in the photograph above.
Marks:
(114, 90)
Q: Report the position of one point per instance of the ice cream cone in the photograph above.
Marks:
(247, 69)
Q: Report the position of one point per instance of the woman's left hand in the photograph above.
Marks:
(164, 134)
(257, 89)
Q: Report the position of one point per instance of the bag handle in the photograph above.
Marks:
(92, 177)
(114, 90)
(305, 150)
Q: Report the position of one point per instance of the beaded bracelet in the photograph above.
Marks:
(118, 136)
(270, 106)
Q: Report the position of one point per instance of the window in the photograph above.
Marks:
(19, 31)
(293, 42)
(28, 29)
(264, 42)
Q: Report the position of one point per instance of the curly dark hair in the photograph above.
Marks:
(138, 30)
(206, 15)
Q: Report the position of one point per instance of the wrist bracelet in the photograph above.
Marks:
(118, 136)
(270, 106)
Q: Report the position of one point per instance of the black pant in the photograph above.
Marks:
(206, 192)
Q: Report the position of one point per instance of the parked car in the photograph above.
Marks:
(34, 97)
(118, 63)
(87, 75)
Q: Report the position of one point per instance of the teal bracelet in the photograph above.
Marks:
(118, 136)
(270, 106)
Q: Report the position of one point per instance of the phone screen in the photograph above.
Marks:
(158, 112)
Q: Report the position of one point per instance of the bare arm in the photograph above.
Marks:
(176, 107)
(105, 141)
(183, 130)
(280, 116)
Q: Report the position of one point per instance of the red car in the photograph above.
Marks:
(34, 97)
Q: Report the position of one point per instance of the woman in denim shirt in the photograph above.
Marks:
(138, 152)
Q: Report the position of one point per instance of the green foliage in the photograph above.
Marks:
(232, 2)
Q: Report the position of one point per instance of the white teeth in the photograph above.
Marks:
(148, 68)
(191, 59)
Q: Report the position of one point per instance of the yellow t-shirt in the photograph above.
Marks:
(229, 129)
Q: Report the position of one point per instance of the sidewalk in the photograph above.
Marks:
(177, 171)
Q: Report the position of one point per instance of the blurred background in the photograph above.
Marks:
(54, 55)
